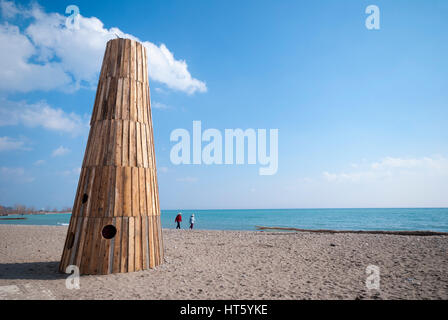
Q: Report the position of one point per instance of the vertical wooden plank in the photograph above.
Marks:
(119, 100)
(144, 146)
(125, 99)
(118, 206)
(132, 100)
(138, 99)
(110, 141)
(135, 193)
(142, 191)
(132, 145)
(139, 61)
(95, 192)
(133, 66)
(127, 49)
(118, 142)
(152, 261)
(85, 259)
(98, 143)
(156, 240)
(77, 202)
(124, 244)
(110, 196)
(117, 246)
(89, 147)
(148, 182)
(145, 257)
(111, 99)
(102, 194)
(138, 136)
(145, 66)
(113, 59)
(82, 241)
(96, 243)
(92, 178)
(105, 248)
(127, 192)
(103, 72)
(138, 244)
(125, 147)
(131, 256)
(144, 105)
(119, 57)
(66, 253)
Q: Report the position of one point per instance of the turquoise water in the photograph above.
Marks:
(434, 219)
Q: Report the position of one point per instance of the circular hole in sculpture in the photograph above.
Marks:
(109, 232)
(85, 197)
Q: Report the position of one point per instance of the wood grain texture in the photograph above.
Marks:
(117, 184)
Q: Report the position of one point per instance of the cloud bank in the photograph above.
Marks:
(46, 55)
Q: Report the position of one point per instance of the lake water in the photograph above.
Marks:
(434, 219)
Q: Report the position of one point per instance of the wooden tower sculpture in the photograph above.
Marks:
(115, 224)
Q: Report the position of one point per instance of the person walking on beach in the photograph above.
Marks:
(178, 220)
(192, 221)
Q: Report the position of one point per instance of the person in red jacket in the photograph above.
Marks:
(178, 220)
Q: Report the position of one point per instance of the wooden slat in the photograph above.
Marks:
(138, 143)
(135, 192)
(132, 144)
(102, 194)
(127, 50)
(117, 246)
(138, 101)
(149, 190)
(125, 100)
(118, 143)
(118, 206)
(142, 191)
(138, 243)
(139, 61)
(127, 192)
(119, 99)
(133, 69)
(145, 256)
(111, 192)
(132, 100)
(95, 192)
(152, 261)
(125, 146)
(96, 243)
(144, 145)
(131, 249)
(124, 244)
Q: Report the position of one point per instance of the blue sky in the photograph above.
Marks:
(361, 113)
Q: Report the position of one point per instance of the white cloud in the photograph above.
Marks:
(41, 115)
(158, 105)
(14, 175)
(390, 167)
(75, 172)
(163, 169)
(47, 55)
(60, 151)
(39, 162)
(8, 143)
(9, 9)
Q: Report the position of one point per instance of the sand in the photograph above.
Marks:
(236, 265)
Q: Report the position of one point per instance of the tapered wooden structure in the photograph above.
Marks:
(115, 223)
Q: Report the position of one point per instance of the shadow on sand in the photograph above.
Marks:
(31, 270)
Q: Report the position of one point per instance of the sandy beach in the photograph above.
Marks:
(236, 265)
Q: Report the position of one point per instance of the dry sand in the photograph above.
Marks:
(236, 265)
